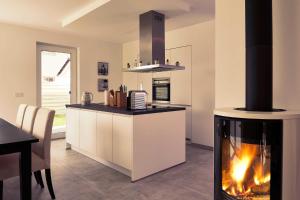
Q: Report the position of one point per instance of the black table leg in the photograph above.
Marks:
(1, 189)
(25, 172)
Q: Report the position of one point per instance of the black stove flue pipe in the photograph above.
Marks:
(259, 55)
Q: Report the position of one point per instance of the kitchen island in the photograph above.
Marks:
(137, 143)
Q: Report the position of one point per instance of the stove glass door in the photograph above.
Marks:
(248, 159)
(246, 165)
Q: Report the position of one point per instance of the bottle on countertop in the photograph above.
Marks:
(141, 86)
(106, 98)
(135, 63)
(140, 64)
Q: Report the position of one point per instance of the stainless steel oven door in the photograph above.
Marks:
(161, 90)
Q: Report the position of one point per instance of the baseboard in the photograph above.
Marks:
(188, 141)
(201, 146)
(104, 162)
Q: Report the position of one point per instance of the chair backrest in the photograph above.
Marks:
(42, 130)
(20, 115)
(29, 117)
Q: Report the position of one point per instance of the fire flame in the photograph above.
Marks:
(261, 178)
(247, 175)
(239, 167)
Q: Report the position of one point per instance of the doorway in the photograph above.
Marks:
(57, 84)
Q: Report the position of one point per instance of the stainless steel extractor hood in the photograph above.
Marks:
(152, 45)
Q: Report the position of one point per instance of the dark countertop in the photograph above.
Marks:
(103, 108)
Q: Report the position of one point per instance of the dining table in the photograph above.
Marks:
(14, 140)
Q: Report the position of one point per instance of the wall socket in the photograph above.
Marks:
(19, 94)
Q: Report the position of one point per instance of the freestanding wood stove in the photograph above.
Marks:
(257, 148)
(257, 155)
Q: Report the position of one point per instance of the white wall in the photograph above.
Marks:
(230, 53)
(201, 38)
(18, 64)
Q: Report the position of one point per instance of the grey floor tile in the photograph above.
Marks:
(76, 177)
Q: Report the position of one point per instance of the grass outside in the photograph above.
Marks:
(59, 120)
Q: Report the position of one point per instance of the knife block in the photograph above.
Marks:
(121, 99)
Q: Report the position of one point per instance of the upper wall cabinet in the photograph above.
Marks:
(130, 57)
(181, 81)
(166, 74)
(130, 79)
(181, 92)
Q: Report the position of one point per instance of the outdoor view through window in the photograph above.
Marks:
(56, 83)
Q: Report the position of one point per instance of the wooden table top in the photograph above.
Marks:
(10, 134)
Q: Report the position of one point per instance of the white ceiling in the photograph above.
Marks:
(108, 20)
(39, 13)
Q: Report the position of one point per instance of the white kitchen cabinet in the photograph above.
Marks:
(166, 74)
(122, 140)
(131, 56)
(72, 127)
(168, 56)
(188, 123)
(88, 131)
(181, 81)
(146, 80)
(129, 143)
(188, 120)
(104, 136)
(130, 79)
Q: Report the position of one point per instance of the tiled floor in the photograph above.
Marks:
(76, 177)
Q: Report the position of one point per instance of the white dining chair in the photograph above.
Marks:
(20, 115)
(29, 118)
(42, 129)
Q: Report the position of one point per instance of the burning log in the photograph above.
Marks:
(245, 171)
(262, 189)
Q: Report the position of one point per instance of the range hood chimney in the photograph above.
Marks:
(152, 44)
(259, 55)
(152, 38)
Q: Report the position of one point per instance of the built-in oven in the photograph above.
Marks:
(161, 90)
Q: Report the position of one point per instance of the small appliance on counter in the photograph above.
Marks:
(87, 98)
(137, 100)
